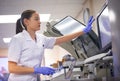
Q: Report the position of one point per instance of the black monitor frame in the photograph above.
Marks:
(109, 45)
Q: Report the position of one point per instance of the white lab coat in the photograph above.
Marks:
(27, 53)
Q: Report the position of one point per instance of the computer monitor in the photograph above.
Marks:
(69, 25)
(104, 29)
(85, 45)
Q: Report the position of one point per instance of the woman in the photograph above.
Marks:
(27, 47)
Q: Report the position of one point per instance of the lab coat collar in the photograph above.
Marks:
(26, 35)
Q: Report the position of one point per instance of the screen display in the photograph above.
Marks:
(69, 25)
(104, 28)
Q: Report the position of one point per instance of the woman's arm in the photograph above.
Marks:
(14, 68)
(66, 38)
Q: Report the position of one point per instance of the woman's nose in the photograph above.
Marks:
(39, 22)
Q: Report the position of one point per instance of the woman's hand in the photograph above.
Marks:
(89, 25)
(44, 70)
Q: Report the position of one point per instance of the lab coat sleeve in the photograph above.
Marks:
(14, 50)
(49, 42)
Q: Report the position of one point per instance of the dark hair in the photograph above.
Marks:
(20, 26)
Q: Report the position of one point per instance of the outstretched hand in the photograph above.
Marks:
(89, 25)
(44, 70)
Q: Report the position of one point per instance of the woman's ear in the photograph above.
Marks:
(26, 22)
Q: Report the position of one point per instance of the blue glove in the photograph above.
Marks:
(44, 70)
(89, 25)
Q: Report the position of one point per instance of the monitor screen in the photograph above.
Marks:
(86, 45)
(104, 28)
(69, 25)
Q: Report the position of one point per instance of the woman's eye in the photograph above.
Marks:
(36, 19)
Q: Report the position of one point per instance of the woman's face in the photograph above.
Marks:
(34, 22)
